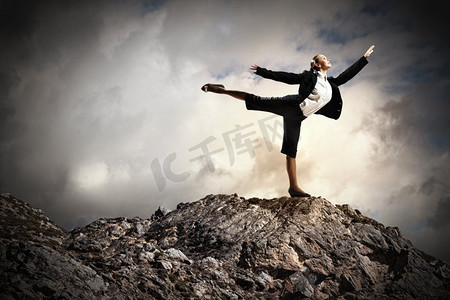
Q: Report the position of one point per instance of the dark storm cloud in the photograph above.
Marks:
(49, 38)
(441, 219)
(420, 119)
(16, 23)
(413, 134)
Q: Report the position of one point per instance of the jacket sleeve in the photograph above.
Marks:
(289, 78)
(350, 72)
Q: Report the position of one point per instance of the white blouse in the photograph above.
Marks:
(318, 98)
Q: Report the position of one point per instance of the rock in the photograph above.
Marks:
(209, 263)
(222, 246)
(178, 255)
(301, 285)
(161, 212)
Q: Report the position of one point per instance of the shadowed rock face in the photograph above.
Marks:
(220, 247)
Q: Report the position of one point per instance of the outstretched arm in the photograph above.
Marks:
(353, 69)
(289, 78)
(369, 51)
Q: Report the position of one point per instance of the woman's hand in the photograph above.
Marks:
(369, 51)
(254, 68)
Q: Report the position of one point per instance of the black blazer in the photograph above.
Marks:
(307, 80)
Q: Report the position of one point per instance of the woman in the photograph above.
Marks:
(317, 94)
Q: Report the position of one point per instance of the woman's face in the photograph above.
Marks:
(323, 62)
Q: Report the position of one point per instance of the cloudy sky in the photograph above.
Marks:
(102, 113)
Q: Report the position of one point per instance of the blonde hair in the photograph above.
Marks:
(313, 62)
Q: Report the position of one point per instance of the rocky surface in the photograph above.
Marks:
(220, 247)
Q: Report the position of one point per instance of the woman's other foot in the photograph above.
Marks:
(210, 87)
(297, 193)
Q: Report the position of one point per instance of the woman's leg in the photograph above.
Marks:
(233, 93)
(292, 126)
(291, 168)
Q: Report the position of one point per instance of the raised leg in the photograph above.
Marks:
(280, 106)
(218, 89)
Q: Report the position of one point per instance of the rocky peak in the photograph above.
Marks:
(19, 221)
(219, 247)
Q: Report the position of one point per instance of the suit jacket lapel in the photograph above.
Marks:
(314, 78)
